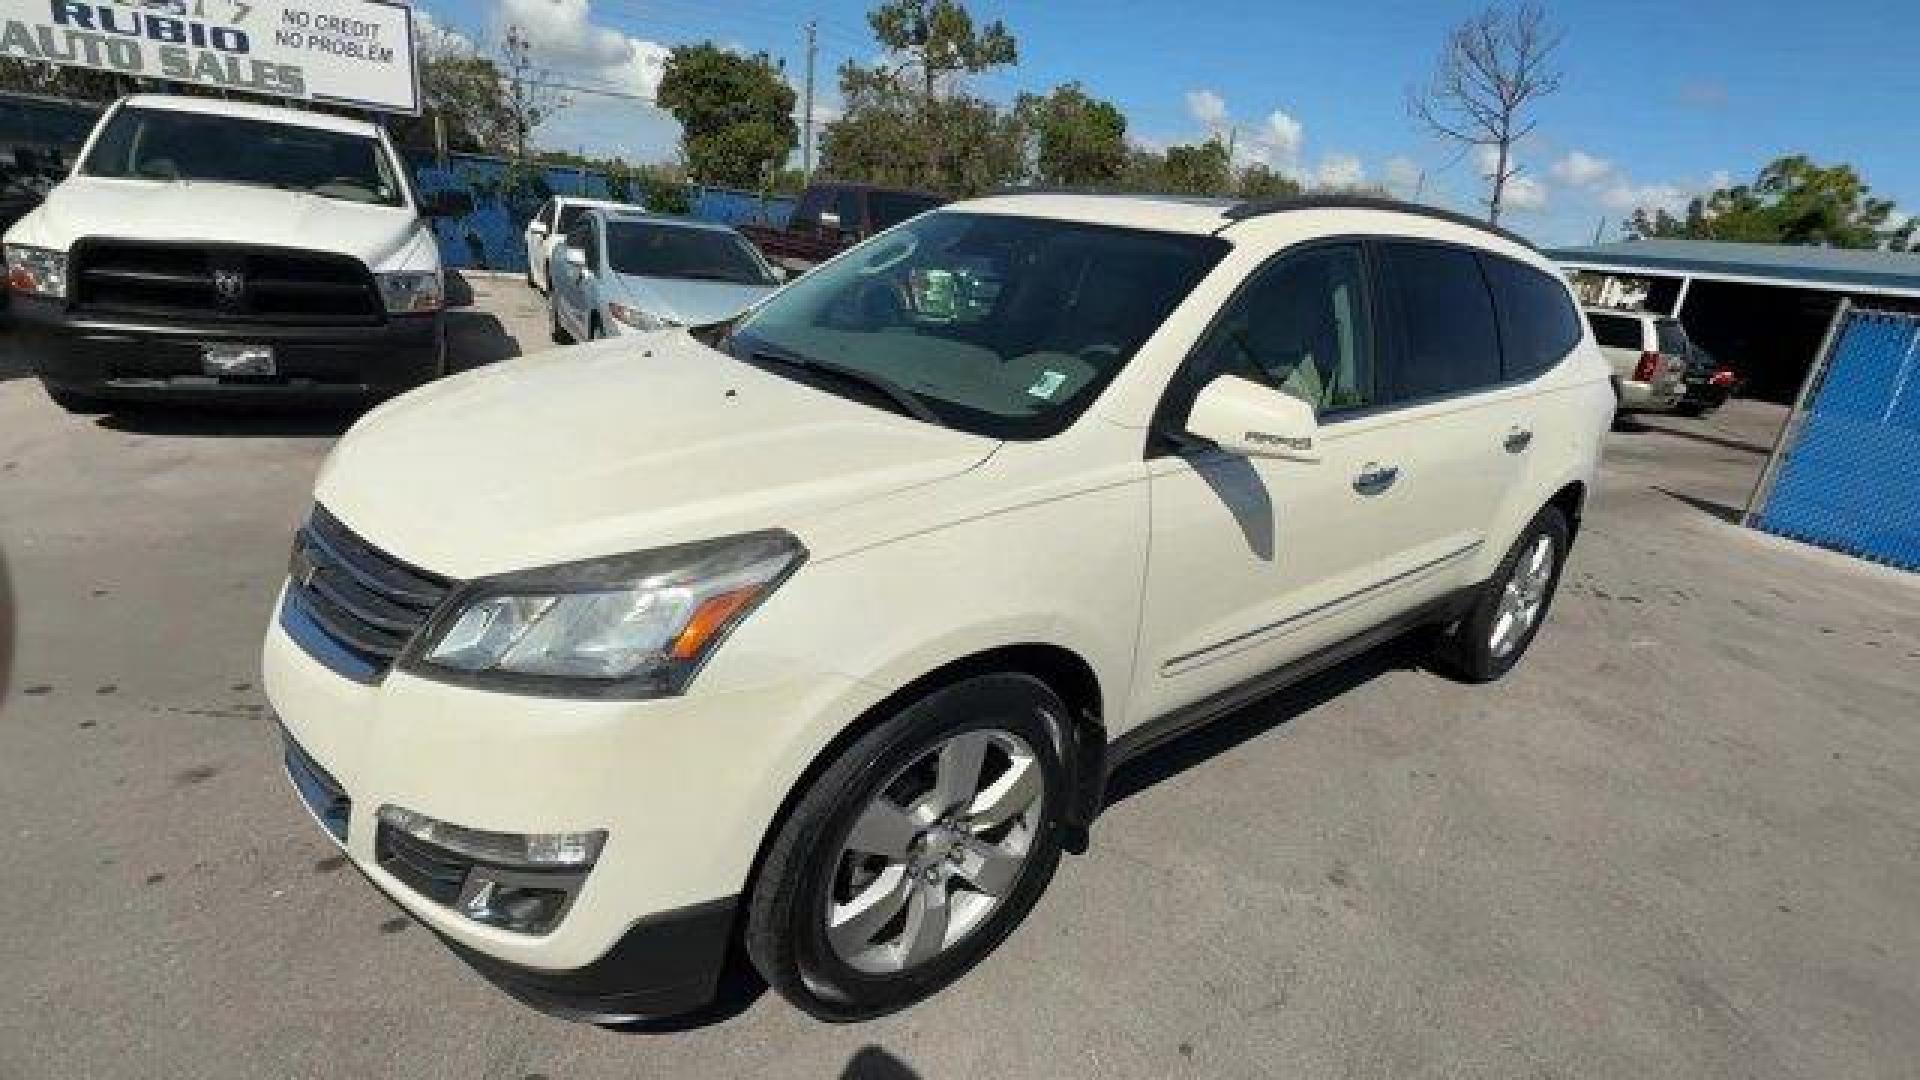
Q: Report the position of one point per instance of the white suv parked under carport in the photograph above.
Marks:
(821, 633)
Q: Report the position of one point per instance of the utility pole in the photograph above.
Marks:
(806, 138)
(1600, 229)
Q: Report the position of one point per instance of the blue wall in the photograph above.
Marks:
(490, 237)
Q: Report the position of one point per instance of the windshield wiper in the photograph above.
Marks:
(905, 400)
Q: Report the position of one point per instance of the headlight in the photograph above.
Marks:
(629, 626)
(637, 319)
(411, 290)
(37, 270)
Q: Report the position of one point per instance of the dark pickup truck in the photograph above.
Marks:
(830, 218)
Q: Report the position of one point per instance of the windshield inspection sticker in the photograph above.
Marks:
(1047, 385)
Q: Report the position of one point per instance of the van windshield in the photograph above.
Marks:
(168, 145)
(998, 325)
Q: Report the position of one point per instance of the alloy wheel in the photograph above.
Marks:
(1523, 597)
(935, 851)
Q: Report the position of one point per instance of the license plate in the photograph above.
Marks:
(223, 359)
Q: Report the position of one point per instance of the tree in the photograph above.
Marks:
(1792, 201)
(466, 91)
(1081, 140)
(1258, 181)
(939, 40)
(884, 136)
(1493, 69)
(735, 113)
(1200, 169)
(531, 98)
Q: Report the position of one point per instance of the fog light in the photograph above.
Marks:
(527, 909)
(571, 850)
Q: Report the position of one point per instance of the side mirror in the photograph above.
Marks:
(576, 257)
(446, 204)
(829, 222)
(1246, 418)
(537, 227)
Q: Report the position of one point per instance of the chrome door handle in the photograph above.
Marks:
(1518, 439)
(1376, 479)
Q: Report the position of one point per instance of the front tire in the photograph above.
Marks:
(554, 329)
(1490, 639)
(916, 852)
(74, 401)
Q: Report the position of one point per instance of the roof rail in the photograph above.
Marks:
(1262, 207)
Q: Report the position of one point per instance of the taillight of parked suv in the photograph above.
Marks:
(1648, 368)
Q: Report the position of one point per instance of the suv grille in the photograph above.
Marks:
(223, 283)
(351, 605)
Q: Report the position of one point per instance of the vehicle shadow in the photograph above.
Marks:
(475, 338)
(235, 422)
(876, 1063)
(9, 626)
(1636, 425)
(1405, 653)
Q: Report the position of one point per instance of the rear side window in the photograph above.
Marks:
(1616, 331)
(1447, 339)
(1673, 338)
(1539, 325)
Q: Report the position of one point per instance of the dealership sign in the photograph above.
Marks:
(352, 52)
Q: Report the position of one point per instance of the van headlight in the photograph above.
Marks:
(37, 270)
(411, 291)
(626, 626)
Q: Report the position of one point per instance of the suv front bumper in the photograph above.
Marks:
(121, 357)
(685, 788)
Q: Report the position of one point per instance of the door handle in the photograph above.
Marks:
(1517, 439)
(1375, 479)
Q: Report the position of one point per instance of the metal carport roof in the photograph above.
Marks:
(1886, 273)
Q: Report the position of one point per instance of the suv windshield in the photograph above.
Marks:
(1002, 326)
(646, 249)
(163, 144)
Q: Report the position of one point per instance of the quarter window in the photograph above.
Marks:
(1447, 340)
(1299, 326)
(1538, 323)
(1616, 331)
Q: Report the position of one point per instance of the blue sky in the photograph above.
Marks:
(1660, 99)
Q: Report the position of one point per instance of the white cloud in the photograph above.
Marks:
(1208, 109)
(1581, 169)
(1339, 171)
(1625, 196)
(1282, 137)
(1403, 176)
(1524, 193)
(566, 40)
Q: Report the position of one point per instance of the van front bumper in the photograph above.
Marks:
(685, 789)
(125, 358)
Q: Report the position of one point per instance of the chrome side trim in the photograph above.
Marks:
(1186, 658)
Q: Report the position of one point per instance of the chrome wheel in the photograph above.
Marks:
(1523, 597)
(935, 851)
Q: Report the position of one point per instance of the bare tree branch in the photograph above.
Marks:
(1491, 70)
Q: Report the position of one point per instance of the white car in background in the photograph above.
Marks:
(620, 272)
(1648, 354)
(553, 221)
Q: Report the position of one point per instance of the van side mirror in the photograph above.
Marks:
(1244, 417)
(537, 227)
(446, 204)
(576, 257)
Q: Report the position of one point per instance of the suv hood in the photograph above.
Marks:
(220, 213)
(618, 446)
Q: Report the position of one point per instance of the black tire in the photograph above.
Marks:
(1691, 408)
(786, 934)
(594, 332)
(74, 401)
(554, 329)
(1466, 650)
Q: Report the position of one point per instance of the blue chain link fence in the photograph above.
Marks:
(491, 236)
(1847, 475)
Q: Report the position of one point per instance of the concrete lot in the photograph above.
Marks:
(1683, 840)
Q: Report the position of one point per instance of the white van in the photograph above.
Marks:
(205, 248)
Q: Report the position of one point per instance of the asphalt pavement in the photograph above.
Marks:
(1682, 840)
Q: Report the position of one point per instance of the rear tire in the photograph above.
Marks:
(74, 401)
(557, 331)
(1691, 408)
(874, 893)
(1491, 638)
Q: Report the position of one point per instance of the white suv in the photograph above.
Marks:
(820, 632)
